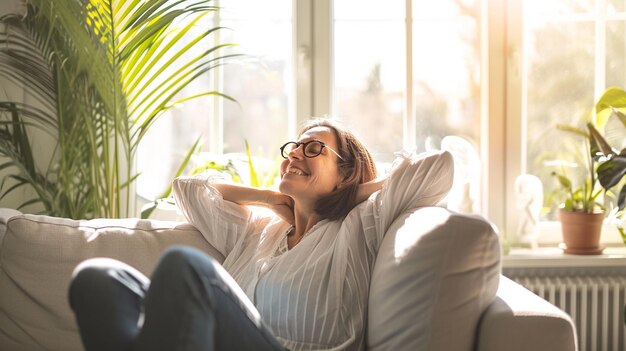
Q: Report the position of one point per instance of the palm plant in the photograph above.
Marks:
(100, 73)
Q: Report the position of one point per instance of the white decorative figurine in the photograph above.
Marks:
(463, 196)
(529, 199)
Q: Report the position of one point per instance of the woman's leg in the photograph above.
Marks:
(193, 304)
(106, 296)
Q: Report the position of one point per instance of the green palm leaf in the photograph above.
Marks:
(101, 73)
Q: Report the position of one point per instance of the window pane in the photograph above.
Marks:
(616, 6)
(261, 85)
(260, 82)
(164, 147)
(615, 76)
(616, 54)
(446, 90)
(560, 90)
(547, 9)
(424, 9)
(370, 84)
(446, 69)
(368, 10)
(369, 76)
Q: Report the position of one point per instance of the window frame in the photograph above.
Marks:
(495, 68)
(313, 87)
(502, 97)
(515, 129)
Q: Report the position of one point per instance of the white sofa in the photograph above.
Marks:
(436, 284)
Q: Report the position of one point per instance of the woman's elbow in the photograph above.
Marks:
(448, 166)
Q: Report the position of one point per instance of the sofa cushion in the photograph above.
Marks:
(38, 255)
(435, 274)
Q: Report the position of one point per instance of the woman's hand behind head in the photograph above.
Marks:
(282, 205)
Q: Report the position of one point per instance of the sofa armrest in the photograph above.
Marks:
(435, 273)
(520, 320)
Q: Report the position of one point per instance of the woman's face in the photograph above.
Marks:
(308, 179)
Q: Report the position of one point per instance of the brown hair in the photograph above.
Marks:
(357, 167)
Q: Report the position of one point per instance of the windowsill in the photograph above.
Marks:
(554, 257)
(550, 234)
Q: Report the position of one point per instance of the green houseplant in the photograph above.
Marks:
(99, 73)
(612, 168)
(581, 213)
(582, 198)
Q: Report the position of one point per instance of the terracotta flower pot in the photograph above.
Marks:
(581, 231)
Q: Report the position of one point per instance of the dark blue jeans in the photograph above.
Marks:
(190, 304)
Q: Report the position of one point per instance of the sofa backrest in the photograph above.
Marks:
(435, 274)
(38, 255)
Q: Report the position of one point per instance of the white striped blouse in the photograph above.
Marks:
(314, 296)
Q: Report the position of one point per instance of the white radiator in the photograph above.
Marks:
(594, 301)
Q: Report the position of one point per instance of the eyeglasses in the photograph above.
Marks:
(311, 148)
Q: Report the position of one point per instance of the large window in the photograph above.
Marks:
(379, 69)
(261, 80)
(487, 79)
(262, 83)
(571, 52)
(408, 75)
(370, 84)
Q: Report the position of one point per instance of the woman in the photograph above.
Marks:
(305, 270)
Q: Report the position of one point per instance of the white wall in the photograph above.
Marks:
(41, 147)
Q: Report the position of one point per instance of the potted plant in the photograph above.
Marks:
(612, 162)
(580, 214)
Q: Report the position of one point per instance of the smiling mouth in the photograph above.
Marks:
(296, 171)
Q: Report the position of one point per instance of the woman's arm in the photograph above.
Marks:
(366, 189)
(428, 179)
(414, 181)
(222, 223)
(278, 202)
(243, 195)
